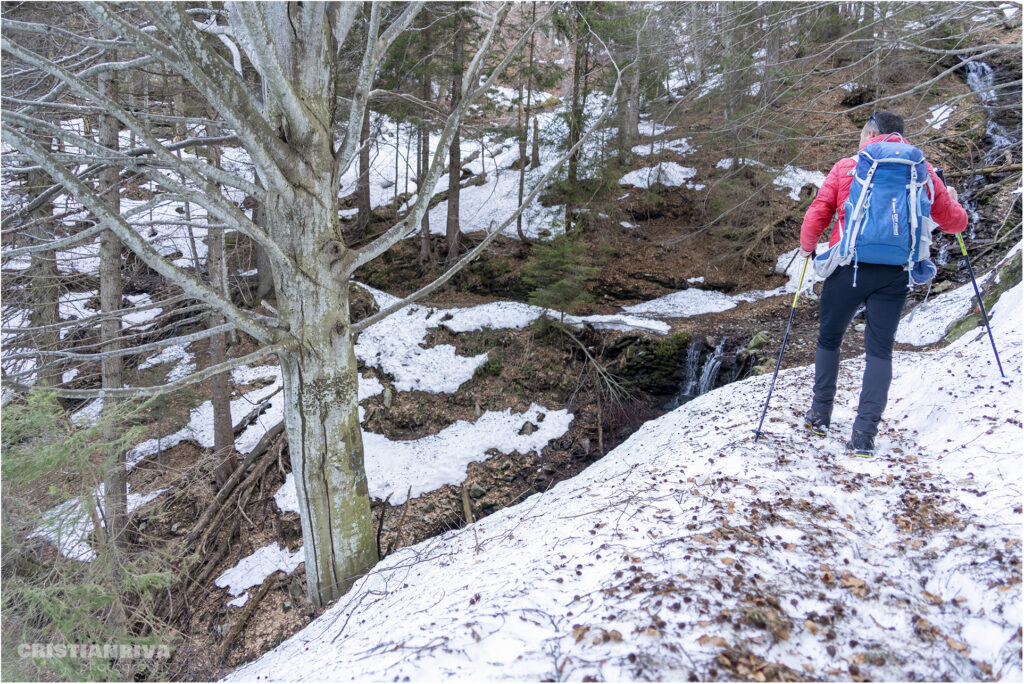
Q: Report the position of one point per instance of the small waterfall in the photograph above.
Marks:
(709, 374)
(981, 78)
(691, 381)
(692, 362)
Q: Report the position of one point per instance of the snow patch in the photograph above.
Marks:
(939, 115)
(669, 174)
(259, 565)
(68, 525)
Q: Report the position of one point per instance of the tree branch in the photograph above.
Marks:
(155, 390)
(412, 220)
(494, 232)
(107, 216)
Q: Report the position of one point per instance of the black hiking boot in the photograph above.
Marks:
(817, 422)
(861, 444)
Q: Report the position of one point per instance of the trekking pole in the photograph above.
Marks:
(981, 304)
(792, 310)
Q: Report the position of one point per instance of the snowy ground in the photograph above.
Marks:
(693, 550)
(694, 301)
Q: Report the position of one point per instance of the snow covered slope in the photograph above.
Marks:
(692, 550)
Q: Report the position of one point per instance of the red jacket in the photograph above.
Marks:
(951, 217)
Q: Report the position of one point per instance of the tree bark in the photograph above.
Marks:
(363, 184)
(43, 289)
(223, 430)
(423, 149)
(452, 230)
(115, 496)
(321, 407)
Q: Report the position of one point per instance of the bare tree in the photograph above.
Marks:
(300, 130)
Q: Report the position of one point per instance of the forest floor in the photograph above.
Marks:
(671, 242)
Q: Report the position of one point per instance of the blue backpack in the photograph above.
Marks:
(888, 213)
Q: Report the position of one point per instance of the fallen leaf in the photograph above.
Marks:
(713, 640)
(728, 561)
(651, 631)
(956, 645)
(731, 508)
(932, 598)
(615, 635)
(848, 580)
(811, 627)
(579, 631)
(808, 668)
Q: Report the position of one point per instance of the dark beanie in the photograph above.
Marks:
(887, 122)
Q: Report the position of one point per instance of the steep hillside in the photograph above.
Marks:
(693, 551)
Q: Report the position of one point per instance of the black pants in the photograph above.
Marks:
(883, 290)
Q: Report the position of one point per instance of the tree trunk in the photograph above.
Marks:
(522, 159)
(452, 229)
(115, 497)
(321, 405)
(43, 287)
(535, 157)
(423, 150)
(363, 184)
(423, 156)
(575, 117)
(216, 267)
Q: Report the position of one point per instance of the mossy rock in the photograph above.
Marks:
(1008, 276)
(657, 366)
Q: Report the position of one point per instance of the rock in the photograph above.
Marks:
(476, 409)
(286, 606)
(540, 417)
(476, 490)
(222, 630)
(547, 469)
(295, 589)
(174, 528)
(528, 428)
(757, 341)
(443, 501)
(428, 506)
(387, 397)
(585, 445)
(860, 327)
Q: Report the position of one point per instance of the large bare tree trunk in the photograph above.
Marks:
(321, 403)
(115, 496)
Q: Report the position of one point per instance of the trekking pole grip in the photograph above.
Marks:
(963, 247)
(799, 286)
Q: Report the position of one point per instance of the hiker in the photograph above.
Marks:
(872, 279)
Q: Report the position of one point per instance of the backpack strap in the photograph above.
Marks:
(898, 135)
